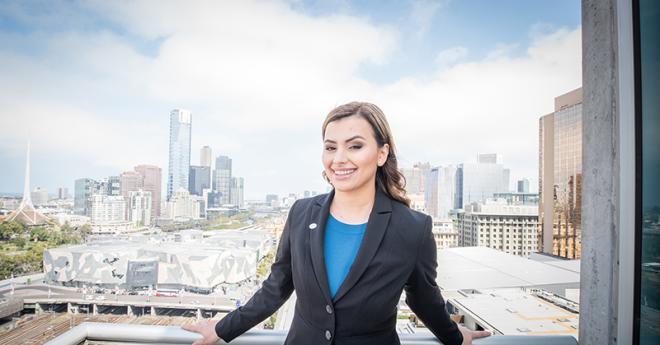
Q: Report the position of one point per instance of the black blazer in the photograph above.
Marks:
(397, 252)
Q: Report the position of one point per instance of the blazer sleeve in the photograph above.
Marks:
(274, 291)
(423, 295)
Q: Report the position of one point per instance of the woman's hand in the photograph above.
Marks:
(469, 335)
(206, 328)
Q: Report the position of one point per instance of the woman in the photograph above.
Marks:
(350, 253)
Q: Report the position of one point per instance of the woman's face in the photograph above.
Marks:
(351, 154)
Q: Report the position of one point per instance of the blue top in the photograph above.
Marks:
(340, 246)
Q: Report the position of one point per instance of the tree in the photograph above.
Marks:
(10, 229)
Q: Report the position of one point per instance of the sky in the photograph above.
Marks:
(91, 83)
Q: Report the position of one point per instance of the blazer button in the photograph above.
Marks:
(328, 309)
(328, 335)
(312, 226)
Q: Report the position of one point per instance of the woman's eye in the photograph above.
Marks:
(329, 148)
(356, 147)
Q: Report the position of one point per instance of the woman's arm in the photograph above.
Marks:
(274, 291)
(423, 295)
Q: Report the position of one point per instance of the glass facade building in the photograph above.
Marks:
(222, 179)
(179, 157)
(199, 179)
(646, 26)
(560, 177)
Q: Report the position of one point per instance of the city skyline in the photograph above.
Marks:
(447, 95)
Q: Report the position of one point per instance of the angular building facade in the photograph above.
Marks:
(84, 188)
(560, 177)
(179, 154)
(440, 191)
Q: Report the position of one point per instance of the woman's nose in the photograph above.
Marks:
(340, 156)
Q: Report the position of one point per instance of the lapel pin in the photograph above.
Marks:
(312, 226)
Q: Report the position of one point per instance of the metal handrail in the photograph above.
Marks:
(129, 333)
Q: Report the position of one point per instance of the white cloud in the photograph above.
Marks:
(450, 56)
(422, 13)
(259, 79)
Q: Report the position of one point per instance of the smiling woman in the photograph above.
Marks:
(349, 254)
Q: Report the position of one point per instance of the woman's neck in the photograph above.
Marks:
(355, 206)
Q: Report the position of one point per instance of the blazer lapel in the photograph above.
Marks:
(319, 216)
(376, 226)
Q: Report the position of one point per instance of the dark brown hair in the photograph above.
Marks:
(388, 177)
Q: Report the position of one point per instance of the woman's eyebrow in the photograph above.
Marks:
(347, 140)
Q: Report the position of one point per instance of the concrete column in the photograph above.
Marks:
(153, 311)
(95, 309)
(199, 313)
(68, 308)
(38, 309)
(129, 310)
(600, 166)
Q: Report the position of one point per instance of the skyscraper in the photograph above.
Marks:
(222, 178)
(480, 181)
(237, 191)
(151, 182)
(560, 177)
(440, 191)
(205, 156)
(523, 186)
(179, 157)
(416, 177)
(62, 193)
(139, 208)
(199, 179)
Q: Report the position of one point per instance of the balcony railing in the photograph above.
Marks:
(129, 334)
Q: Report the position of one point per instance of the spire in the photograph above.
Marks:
(26, 188)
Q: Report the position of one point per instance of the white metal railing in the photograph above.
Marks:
(129, 333)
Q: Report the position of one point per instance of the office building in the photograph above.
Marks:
(62, 193)
(139, 208)
(560, 177)
(39, 196)
(237, 188)
(113, 185)
(222, 179)
(179, 154)
(498, 225)
(416, 177)
(84, 188)
(523, 186)
(199, 179)
(151, 182)
(440, 191)
(130, 181)
(481, 180)
(205, 156)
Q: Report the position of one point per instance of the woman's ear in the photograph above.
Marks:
(383, 153)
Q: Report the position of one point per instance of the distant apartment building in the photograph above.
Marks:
(416, 177)
(107, 208)
(179, 151)
(183, 206)
(139, 208)
(498, 225)
(199, 179)
(560, 177)
(440, 191)
(444, 234)
(39, 196)
(130, 181)
(481, 180)
(222, 179)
